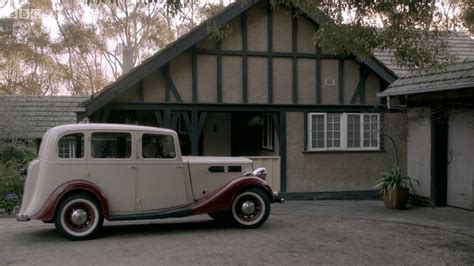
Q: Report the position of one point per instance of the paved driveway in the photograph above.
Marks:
(299, 232)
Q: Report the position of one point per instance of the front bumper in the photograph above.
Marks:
(22, 218)
(277, 198)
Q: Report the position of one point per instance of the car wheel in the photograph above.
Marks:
(250, 208)
(79, 217)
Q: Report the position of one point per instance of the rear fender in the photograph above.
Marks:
(47, 212)
(222, 198)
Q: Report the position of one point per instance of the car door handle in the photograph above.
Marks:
(179, 166)
(131, 167)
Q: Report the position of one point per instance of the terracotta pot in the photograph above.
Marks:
(396, 198)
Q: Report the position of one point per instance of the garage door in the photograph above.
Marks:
(461, 160)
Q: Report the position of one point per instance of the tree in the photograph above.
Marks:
(415, 31)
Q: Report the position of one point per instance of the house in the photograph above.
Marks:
(27, 118)
(440, 142)
(266, 92)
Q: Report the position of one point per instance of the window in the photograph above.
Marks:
(71, 146)
(157, 146)
(267, 132)
(343, 131)
(111, 145)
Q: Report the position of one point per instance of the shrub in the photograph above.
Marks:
(13, 158)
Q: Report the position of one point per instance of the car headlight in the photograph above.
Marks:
(260, 172)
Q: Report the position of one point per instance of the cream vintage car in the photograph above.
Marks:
(86, 173)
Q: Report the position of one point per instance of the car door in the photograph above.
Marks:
(161, 176)
(112, 168)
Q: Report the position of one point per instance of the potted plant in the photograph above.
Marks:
(394, 188)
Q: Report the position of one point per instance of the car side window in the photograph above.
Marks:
(71, 146)
(158, 146)
(111, 145)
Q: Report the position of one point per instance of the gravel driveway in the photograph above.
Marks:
(302, 232)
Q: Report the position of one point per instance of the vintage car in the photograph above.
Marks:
(86, 173)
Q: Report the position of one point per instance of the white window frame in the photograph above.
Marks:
(268, 123)
(343, 133)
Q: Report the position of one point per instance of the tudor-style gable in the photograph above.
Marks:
(268, 58)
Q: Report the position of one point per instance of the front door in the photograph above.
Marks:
(461, 160)
(161, 177)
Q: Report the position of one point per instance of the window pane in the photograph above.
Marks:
(158, 146)
(371, 130)
(353, 131)
(111, 145)
(333, 130)
(267, 131)
(317, 131)
(71, 146)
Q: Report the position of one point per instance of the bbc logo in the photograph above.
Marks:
(26, 14)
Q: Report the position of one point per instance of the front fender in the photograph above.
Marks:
(46, 213)
(222, 198)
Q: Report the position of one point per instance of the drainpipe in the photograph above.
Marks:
(388, 102)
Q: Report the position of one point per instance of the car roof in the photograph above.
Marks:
(58, 130)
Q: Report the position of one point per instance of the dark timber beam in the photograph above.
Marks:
(294, 43)
(169, 85)
(341, 80)
(104, 117)
(359, 91)
(159, 118)
(243, 23)
(194, 74)
(140, 91)
(166, 118)
(202, 121)
(282, 143)
(219, 72)
(270, 52)
(249, 108)
(318, 76)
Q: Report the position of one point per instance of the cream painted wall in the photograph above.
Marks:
(351, 79)
(232, 79)
(282, 30)
(257, 80)
(181, 74)
(306, 81)
(234, 40)
(329, 70)
(257, 25)
(206, 75)
(372, 86)
(217, 134)
(337, 171)
(305, 36)
(154, 88)
(282, 80)
(419, 148)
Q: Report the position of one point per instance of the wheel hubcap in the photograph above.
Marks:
(79, 216)
(248, 207)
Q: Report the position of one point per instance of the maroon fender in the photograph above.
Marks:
(46, 213)
(223, 197)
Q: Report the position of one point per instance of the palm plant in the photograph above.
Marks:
(394, 179)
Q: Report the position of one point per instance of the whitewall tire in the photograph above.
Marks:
(250, 208)
(79, 217)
